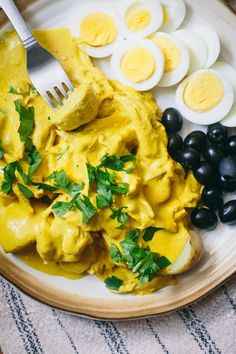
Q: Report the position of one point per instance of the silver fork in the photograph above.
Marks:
(46, 73)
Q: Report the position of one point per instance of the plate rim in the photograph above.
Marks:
(102, 308)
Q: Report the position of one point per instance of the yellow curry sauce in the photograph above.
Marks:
(126, 121)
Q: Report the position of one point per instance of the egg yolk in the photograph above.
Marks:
(171, 53)
(203, 92)
(137, 19)
(137, 64)
(165, 14)
(97, 29)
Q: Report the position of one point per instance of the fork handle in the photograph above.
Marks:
(12, 12)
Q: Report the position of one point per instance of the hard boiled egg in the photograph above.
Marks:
(212, 42)
(230, 73)
(138, 63)
(205, 97)
(98, 29)
(140, 18)
(196, 46)
(176, 56)
(174, 12)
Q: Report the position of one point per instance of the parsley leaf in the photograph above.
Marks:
(91, 173)
(115, 163)
(104, 197)
(149, 233)
(113, 283)
(15, 92)
(61, 208)
(45, 187)
(62, 182)
(86, 207)
(25, 191)
(121, 217)
(121, 188)
(33, 159)
(10, 176)
(26, 120)
(1, 150)
(116, 255)
(140, 260)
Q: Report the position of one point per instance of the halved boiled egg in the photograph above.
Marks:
(174, 12)
(196, 46)
(138, 64)
(98, 29)
(205, 97)
(176, 56)
(140, 18)
(230, 73)
(212, 42)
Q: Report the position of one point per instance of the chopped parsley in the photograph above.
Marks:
(61, 208)
(9, 172)
(26, 120)
(1, 150)
(62, 182)
(15, 92)
(33, 159)
(138, 259)
(149, 233)
(45, 186)
(84, 204)
(113, 283)
(115, 163)
(25, 191)
(121, 217)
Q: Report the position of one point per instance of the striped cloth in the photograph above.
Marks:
(208, 326)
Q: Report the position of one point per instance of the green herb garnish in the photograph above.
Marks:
(138, 259)
(10, 176)
(45, 187)
(25, 191)
(61, 208)
(113, 283)
(1, 150)
(121, 217)
(33, 159)
(15, 92)
(149, 233)
(115, 163)
(84, 204)
(26, 120)
(62, 182)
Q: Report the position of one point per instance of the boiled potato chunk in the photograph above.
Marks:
(190, 256)
(78, 109)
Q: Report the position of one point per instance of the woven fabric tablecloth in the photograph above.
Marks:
(208, 326)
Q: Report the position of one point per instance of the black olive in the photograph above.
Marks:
(175, 144)
(211, 197)
(195, 140)
(227, 167)
(217, 133)
(227, 213)
(204, 218)
(205, 174)
(172, 120)
(189, 158)
(213, 154)
(227, 184)
(230, 145)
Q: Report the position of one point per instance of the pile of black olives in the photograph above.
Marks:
(212, 158)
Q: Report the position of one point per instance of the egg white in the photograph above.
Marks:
(156, 17)
(175, 76)
(230, 74)
(126, 45)
(97, 7)
(212, 41)
(196, 46)
(215, 114)
(176, 12)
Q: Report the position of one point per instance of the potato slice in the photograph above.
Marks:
(78, 109)
(190, 256)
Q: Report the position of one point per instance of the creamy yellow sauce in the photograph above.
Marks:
(137, 18)
(97, 29)
(121, 120)
(138, 64)
(171, 53)
(203, 92)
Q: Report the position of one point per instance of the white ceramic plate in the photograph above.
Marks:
(88, 296)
